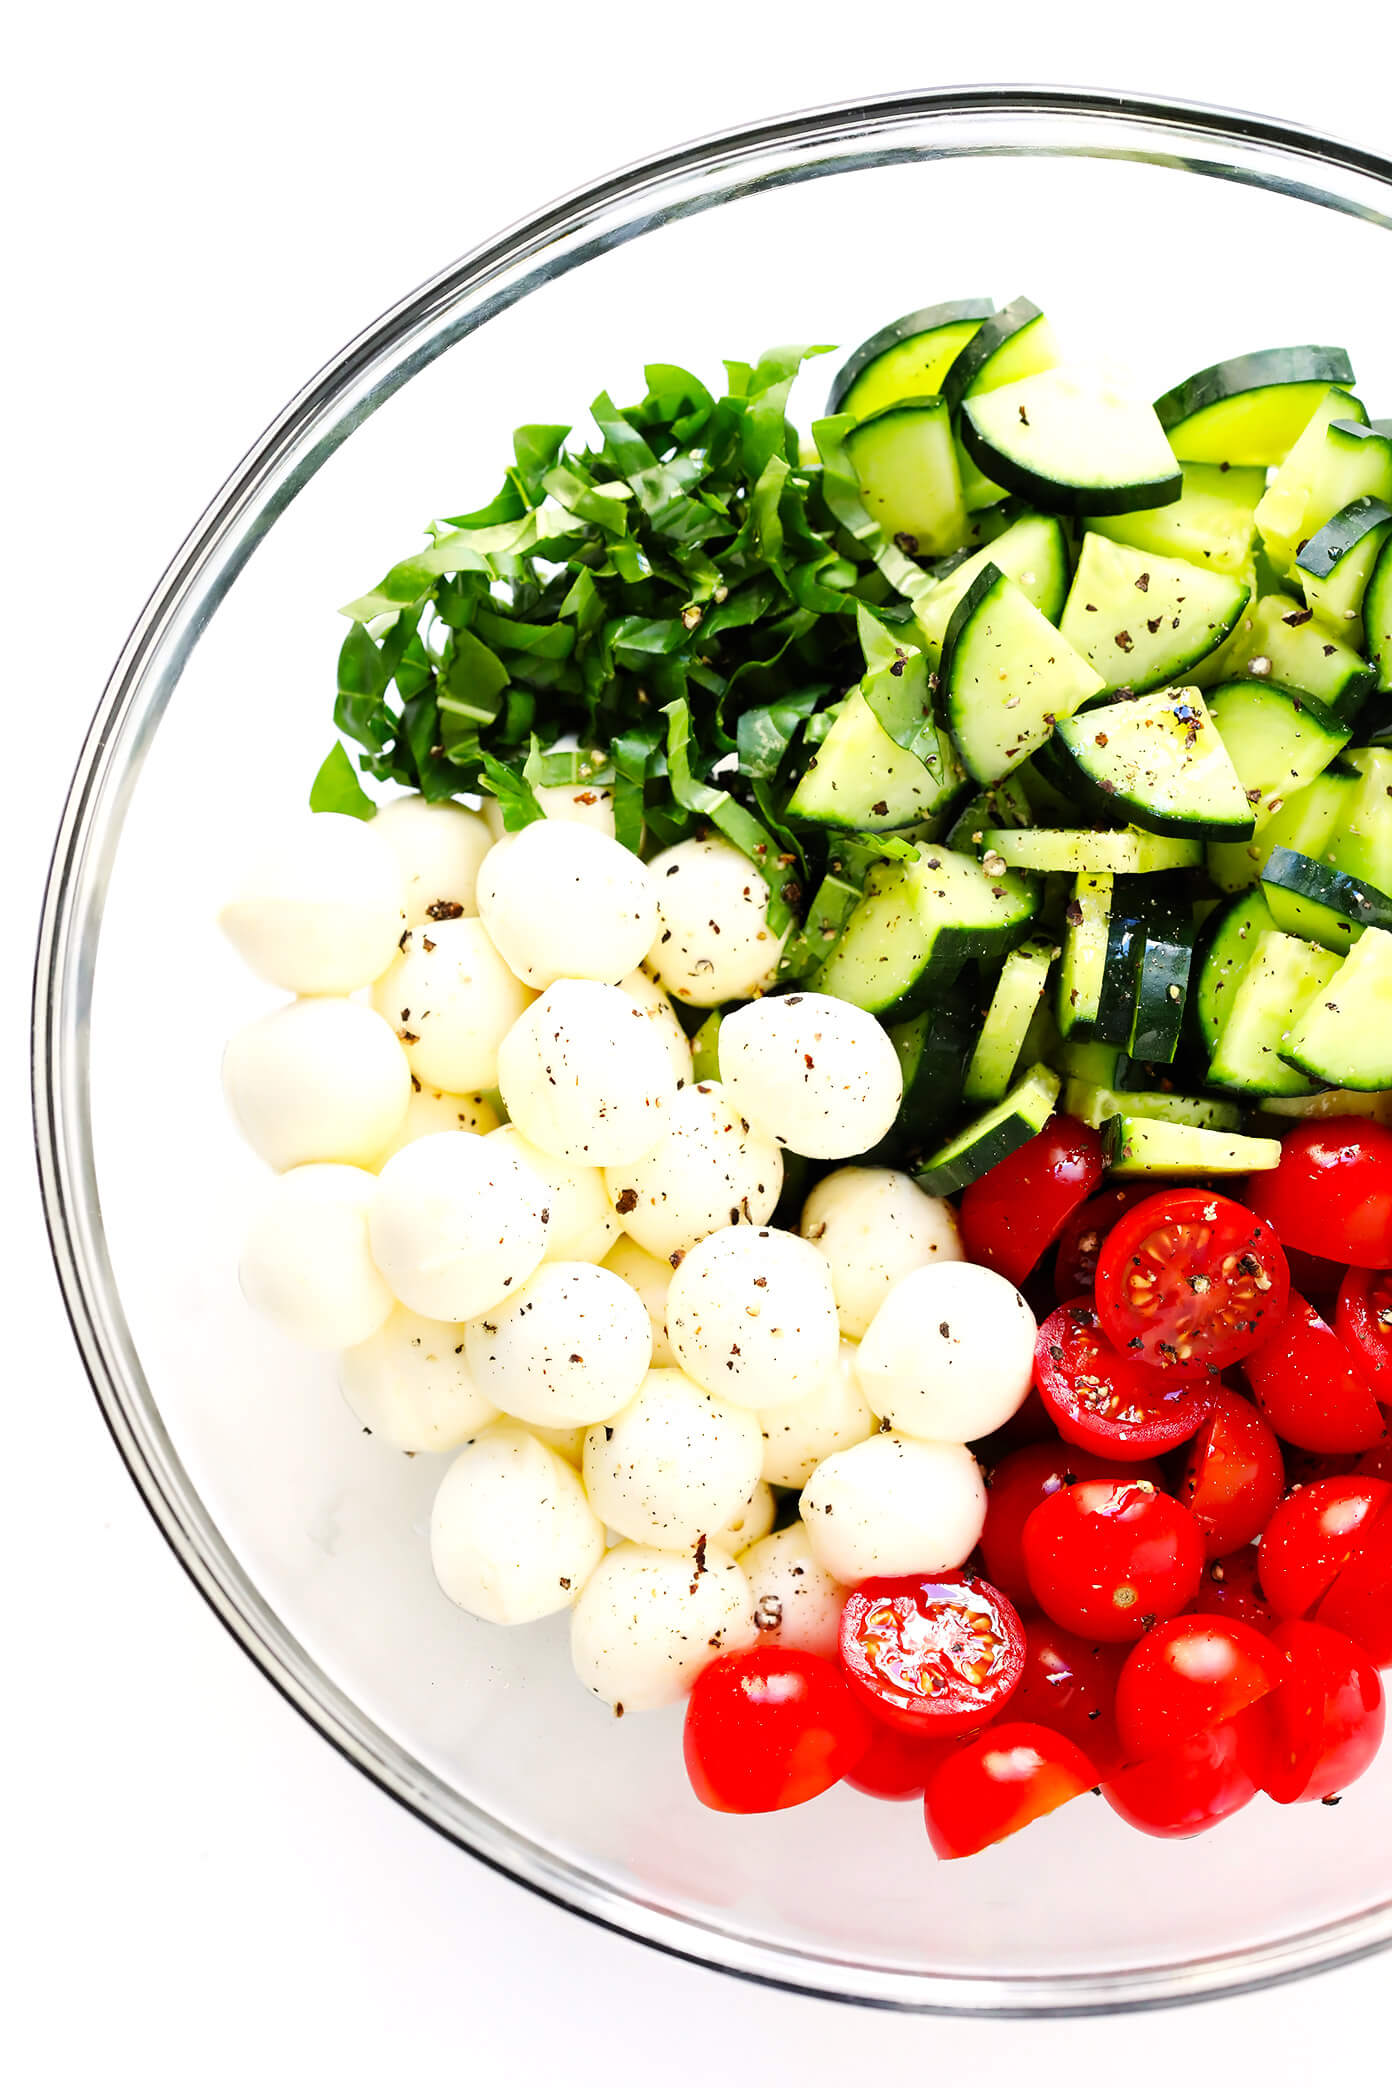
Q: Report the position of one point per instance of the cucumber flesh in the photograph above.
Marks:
(1345, 1035)
(1276, 740)
(1015, 342)
(907, 359)
(1316, 479)
(1071, 445)
(1306, 821)
(1094, 1105)
(1126, 852)
(906, 462)
(918, 923)
(1160, 761)
(1288, 644)
(1331, 1102)
(1252, 408)
(1283, 977)
(1083, 964)
(705, 1048)
(1323, 904)
(1033, 552)
(993, 1137)
(1228, 946)
(862, 780)
(1142, 620)
(1337, 563)
(1211, 525)
(1006, 676)
(1018, 992)
(1137, 1145)
(1377, 616)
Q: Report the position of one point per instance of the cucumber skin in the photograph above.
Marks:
(1059, 499)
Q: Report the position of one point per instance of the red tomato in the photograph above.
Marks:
(1313, 1535)
(1321, 1728)
(1108, 1402)
(896, 1765)
(1110, 1560)
(1332, 1192)
(1021, 1205)
(1189, 1674)
(1303, 1467)
(1069, 1685)
(1314, 1277)
(933, 1656)
(770, 1728)
(1190, 1277)
(1080, 1242)
(1030, 1423)
(1359, 1601)
(1376, 1463)
(998, 1782)
(1363, 1322)
(1230, 1588)
(1309, 1387)
(1015, 1488)
(1234, 1475)
(1189, 1788)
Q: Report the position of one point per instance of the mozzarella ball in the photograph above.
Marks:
(561, 901)
(751, 1315)
(451, 1000)
(655, 1004)
(819, 1075)
(713, 940)
(755, 1520)
(894, 1505)
(648, 1621)
(568, 1443)
(307, 1264)
(512, 1537)
(410, 1384)
(570, 1347)
(318, 1079)
(874, 1225)
(322, 908)
(651, 1279)
(832, 1416)
(949, 1356)
(439, 848)
(430, 1110)
(796, 1602)
(675, 1465)
(585, 1075)
(710, 1168)
(456, 1224)
(581, 1226)
(584, 804)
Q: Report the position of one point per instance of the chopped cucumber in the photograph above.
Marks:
(1077, 849)
(907, 359)
(1137, 1145)
(1142, 620)
(1033, 551)
(705, 1048)
(1337, 563)
(1162, 984)
(1345, 1035)
(1081, 970)
(1288, 644)
(1072, 446)
(1332, 1102)
(1279, 983)
(1226, 948)
(1277, 740)
(1305, 822)
(1004, 804)
(1323, 472)
(1015, 342)
(1377, 616)
(1018, 992)
(862, 780)
(1325, 905)
(1361, 845)
(1094, 1105)
(1121, 970)
(1161, 762)
(918, 924)
(1211, 525)
(1006, 675)
(934, 1051)
(1251, 408)
(906, 462)
(994, 1136)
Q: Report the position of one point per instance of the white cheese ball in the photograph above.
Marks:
(322, 908)
(456, 1224)
(651, 1279)
(819, 1075)
(319, 1079)
(307, 1265)
(512, 1537)
(451, 1000)
(568, 1348)
(581, 1226)
(874, 1225)
(585, 804)
(754, 1521)
(832, 1416)
(648, 1621)
(585, 1075)
(439, 848)
(710, 1168)
(894, 1505)
(562, 901)
(713, 939)
(430, 1110)
(751, 1315)
(949, 1356)
(663, 1016)
(675, 1465)
(410, 1384)
(796, 1602)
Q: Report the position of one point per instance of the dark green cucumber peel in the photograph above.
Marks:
(1255, 372)
(989, 337)
(899, 331)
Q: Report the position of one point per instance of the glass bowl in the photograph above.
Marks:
(1173, 234)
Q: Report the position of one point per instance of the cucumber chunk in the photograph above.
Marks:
(1331, 1102)
(1015, 342)
(906, 462)
(1071, 445)
(918, 924)
(1361, 845)
(1323, 904)
(1337, 563)
(1336, 458)
(1279, 983)
(1277, 741)
(705, 1048)
(907, 359)
(1004, 804)
(1226, 948)
(1018, 992)
(1033, 552)
(1094, 1105)
(1344, 1037)
(1161, 762)
(1006, 675)
(1121, 969)
(1251, 408)
(1142, 620)
(1211, 525)
(1289, 645)
(1377, 616)
(1305, 821)
(994, 1136)
(1162, 984)
(1077, 849)
(1137, 1145)
(862, 780)
(1078, 992)
(934, 1051)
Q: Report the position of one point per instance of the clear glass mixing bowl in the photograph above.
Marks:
(1172, 234)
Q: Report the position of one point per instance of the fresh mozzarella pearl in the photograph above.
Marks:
(874, 1225)
(581, 804)
(582, 1228)
(585, 1075)
(456, 1224)
(439, 848)
(675, 1465)
(322, 909)
(567, 1349)
(751, 1315)
(796, 1603)
(832, 1416)
(410, 1384)
(821, 1076)
(561, 901)
(711, 1168)
(647, 1622)
(755, 1520)
(651, 1279)
(713, 941)
(451, 1000)
(654, 1002)
(512, 1537)
(568, 1443)
(307, 1265)
(950, 1354)
(893, 1505)
(318, 1079)
(431, 1110)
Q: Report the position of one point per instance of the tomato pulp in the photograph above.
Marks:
(933, 1655)
(1107, 1401)
(1190, 1277)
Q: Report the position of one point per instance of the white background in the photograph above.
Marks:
(203, 203)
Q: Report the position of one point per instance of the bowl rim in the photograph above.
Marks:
(698, 175)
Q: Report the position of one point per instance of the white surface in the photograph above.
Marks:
(205, 204)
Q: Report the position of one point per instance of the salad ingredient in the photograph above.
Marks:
(455, 1224)
(431, 1109)
(1359, 1599)
(319, 1079)
(1107, 1400)
(306, 1265)
(512, 1537)
(892, 1506)
(817, 1073)
(1016, 1486)
(949, 1354)
(562, 901)
(874, 1225)
(907, 359)
(714, 942)
(1309, 1387)
(410, 1384)
(751, 1316)
(1188, 1675)
(752, 1524)
(1363, 1322)
(896, 1765)
(663, 1017)
(451, 1000)
(567, 1348)
(1230, 1588)
(580, 1227)
(674, 1465)
(1012, 1214)
(1321, 1727)
(934, 1656)
(770, 1728)
(1189, 1788)
(584, 1075)
(1251, 408)
(1003, 1780)
(796, 1603)
(832, 1416)
(1314, 1534)
(322, 908)
(1190, 1277)
(1332, 1191)
(710, 1168)
(1069, 1685)
(651, 1279)
(1234, 1474)
(648, 1621)
(1109, 1560)
(439, 847)
(1080, 1242)
(1076, 446)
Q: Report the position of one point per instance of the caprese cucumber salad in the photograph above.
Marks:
(845, 1080)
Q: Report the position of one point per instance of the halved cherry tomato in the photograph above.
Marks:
(1021, 1205)
(1080, 1242)
(1313, 1535)
(1108, 1402)
(1230, 1588)
(1321, 1727)
(1017, 1485)
(896, 1765)
(1190, 1277)
(1108, 1561)
(1189, 1788)
(1190, 1674)
(1069, 1685)
(770, 1728)
(998, 1783)
(933, 1656)
(1234, 1475)
(1359, 1599)
(1363, 1322)
(1377, 1462)
(1331, 1193)
(1309, 1387)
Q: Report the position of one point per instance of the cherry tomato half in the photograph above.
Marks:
(896, 1765)
(1322, 1726)
(1190, 1277)
(1069, 1685)
(770, 1728)
(1021, 1205)
(1331, 1193)
(1234, 1475)
(1230, 1588)
(1015, 1488)
(1309, 1387)
(1377, 1462)
(933, 1656)
(1080, 1242)
(1189, 1788)
(1105, 1401)
(1363, 1322)
(1108, 1561)
(998, 1783)
(1190, 1674)
(1313, 1535)
(1359, 1600)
